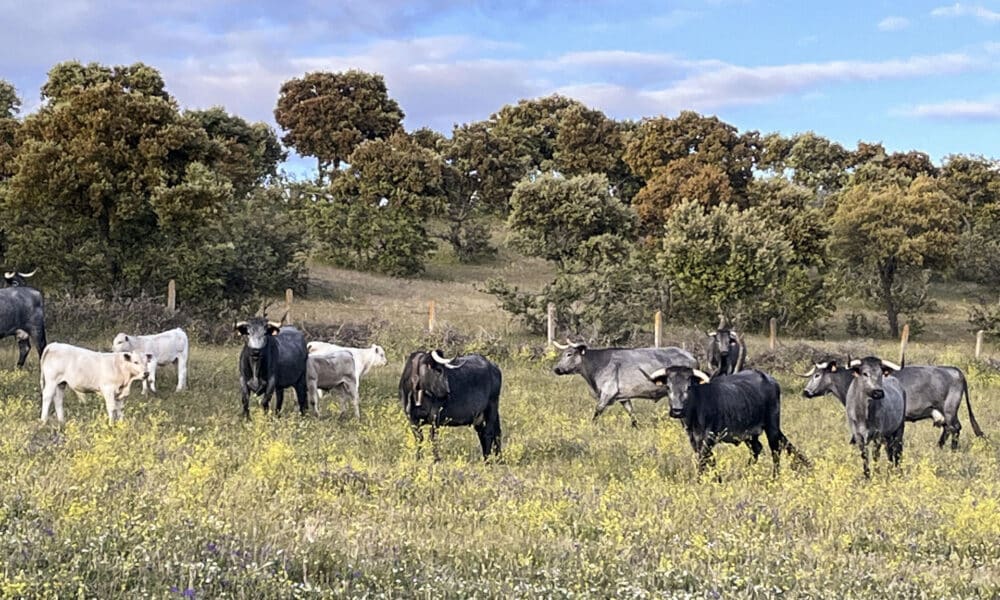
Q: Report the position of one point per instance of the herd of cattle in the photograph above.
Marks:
(733, 405)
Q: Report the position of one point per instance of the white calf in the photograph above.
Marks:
(365, 359)
(168, 347)
(332, 371)
(109, 373)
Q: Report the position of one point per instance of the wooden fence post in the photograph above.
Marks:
(430, 316)
(552, 323)
(979, 342)
(903, 340)
(774, 333)
(171, 295)
(289, 296)
(657, 329)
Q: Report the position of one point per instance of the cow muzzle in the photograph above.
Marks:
(676, 413)
(878, 394)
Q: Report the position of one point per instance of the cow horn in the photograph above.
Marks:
(276, 325)
(891, 365)
(240, 324)
(701, 375)
(560, 346)
(655, 375)
(9, 274)
(441, 361)
(575, 344)
(27, 274)
(854, 363)
(810, 373)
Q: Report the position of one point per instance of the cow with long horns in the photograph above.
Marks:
(17, 279)
(932, 392)
(452, 393)
(733, 409)
(273, 358)
(616, 374)
(727, 352)
(22, 315)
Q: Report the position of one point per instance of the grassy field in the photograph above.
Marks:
(185, 499)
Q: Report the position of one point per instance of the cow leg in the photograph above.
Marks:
(23, 347)
(301, 395)
(603, 402)
(863, 446)
(279, 400)
(956, 428)
(60, 394)
(48, 393)
(152, 378)
(484, 440)
(419, 436)
(182, 371)
(944, 436)
(245, 398)
(342, 400)
(355, 400)
(434, 443)
(109, 403)
(631, 413)
(705, 457)
(755, 448)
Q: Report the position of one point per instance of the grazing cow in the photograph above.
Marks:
(273, 358)
(932, 392)
(462, 391)
(876, 408)
(22, 314)
(617, 374)
(732, 408)
(82, 370)
(335, 369)
(167, 347)
(16, 278)
(365, 359)
(727, 352)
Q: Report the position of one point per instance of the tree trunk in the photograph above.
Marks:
(887, 273)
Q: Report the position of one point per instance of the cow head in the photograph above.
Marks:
(678, 381)
(427, 376)
(136, 364)
(572, 356)
(868, 373)
(122, 343)
(379, 353)
(821, 378)
(256, 332)
(16, 278)
(722, 340)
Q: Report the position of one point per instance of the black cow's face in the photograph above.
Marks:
(427, 378)
(16, 278)
(569, 361)
(679, 381)
(256, 332)
(868, 374)
(821, 379)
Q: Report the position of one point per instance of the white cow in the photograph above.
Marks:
(340, 373)
(168, 347)
(109, 373)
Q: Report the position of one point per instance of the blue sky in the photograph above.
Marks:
(912, 75)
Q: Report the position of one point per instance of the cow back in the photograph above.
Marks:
(740, 402)
(472, 388)
(20, 308)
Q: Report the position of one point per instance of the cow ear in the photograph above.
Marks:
(127, 356)
(149, 357)
(710, 334)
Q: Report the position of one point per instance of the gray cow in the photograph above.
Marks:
(22, 315)
(876, 408)
(931, 393)
(619, 374)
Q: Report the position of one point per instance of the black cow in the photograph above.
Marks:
(732, 408)
(22, 314)
(462, 391)
(17, 279)
(876, 408)
(273, 358)
(617, 374)
(727, 352)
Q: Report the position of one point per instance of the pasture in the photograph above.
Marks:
(185, 499)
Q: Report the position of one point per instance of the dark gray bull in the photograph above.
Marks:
(733, 409)
(727, 352)
(22, 315)
(273, 358)
(452, 393)
(932, 392)
(16, 278)
(876, 409)
(617, 374)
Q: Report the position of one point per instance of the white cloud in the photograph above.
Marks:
(968, 110)
(893, 24)
(966, 10)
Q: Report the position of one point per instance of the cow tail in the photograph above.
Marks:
(40, 342)
(968, 405)
(742, 356)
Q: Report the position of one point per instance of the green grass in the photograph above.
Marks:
(185, 495)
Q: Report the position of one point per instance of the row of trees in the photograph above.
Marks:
(686, 214)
